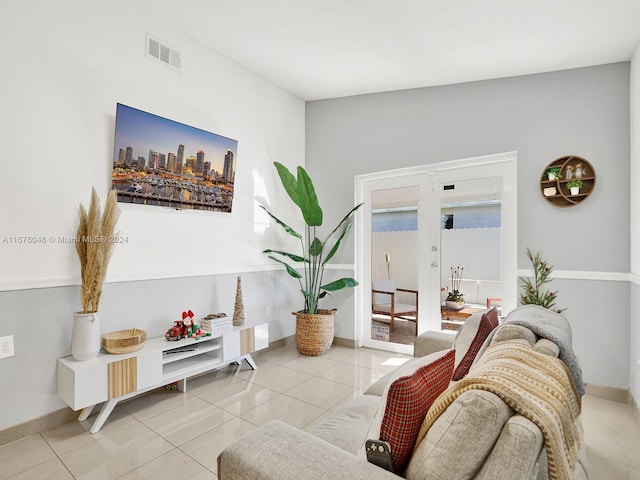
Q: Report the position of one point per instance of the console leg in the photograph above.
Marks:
(107, 408)
(251, 362)
(84, 414)
(182, 385)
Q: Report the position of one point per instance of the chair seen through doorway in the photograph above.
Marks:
(384, 302)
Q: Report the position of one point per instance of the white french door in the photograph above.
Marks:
(395, 253)
(409, 250)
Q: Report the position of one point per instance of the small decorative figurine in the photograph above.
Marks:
(568, 174)
(186, 320)
(185, 328)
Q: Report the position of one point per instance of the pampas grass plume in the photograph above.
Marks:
(94, 245)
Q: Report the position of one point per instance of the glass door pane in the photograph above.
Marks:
(394, 276)
(470, 247)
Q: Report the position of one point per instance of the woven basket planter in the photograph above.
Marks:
(314, 331)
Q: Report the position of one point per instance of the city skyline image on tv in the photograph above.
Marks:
(162, 162)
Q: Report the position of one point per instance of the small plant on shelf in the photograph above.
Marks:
(533, 294)
(454, 294)
(553, 173)
(574, 186)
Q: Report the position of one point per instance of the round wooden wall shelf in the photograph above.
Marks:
(569, 168)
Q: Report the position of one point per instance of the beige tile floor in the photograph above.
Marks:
(171, 435)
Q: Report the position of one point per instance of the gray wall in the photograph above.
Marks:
(41, 322)
(583, 112)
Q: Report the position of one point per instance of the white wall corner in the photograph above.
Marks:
(634, 167)
(634, 223)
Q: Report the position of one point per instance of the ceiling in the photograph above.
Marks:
(320, 49)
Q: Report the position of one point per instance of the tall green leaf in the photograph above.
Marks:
(289, 181)
(339, 284)
(343, 221)
(309, 205)
(292, 256)
(302, 192)
(290, 270)
(316, 247)
(286, 227)
(336, 245)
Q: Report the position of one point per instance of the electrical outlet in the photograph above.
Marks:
(6, 347)
(267, 312)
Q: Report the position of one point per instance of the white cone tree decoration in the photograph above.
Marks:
(238, 310)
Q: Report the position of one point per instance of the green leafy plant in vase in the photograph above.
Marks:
(553, 173)
(574, 186)
(314, 255)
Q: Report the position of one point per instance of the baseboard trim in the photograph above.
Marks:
(634, 405)
(37, 425)
(344, 342)
(283, 342)
(291, 340)
(620, 395)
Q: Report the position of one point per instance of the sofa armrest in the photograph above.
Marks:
(432, 341)
(279, 451)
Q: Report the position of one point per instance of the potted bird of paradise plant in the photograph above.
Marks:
(314, 326)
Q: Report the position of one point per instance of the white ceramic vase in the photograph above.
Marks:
(575, 190)
(451, 305)
(85, 339)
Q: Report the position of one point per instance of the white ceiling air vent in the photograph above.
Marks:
(160, 51)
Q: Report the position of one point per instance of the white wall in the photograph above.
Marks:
(634, 360)
(65, 66)
(402, 248)
(71, 62)
(477, 249)
(542, 117)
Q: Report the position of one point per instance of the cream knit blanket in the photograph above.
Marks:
(535, 385)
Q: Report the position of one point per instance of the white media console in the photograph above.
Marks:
(113, 378)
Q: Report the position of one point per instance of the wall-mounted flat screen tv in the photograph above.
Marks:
(161, 162)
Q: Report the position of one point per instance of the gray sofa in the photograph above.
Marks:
(478, 436)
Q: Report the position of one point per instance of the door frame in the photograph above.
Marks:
(501, 164)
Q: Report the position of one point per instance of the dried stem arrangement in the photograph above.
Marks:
(94, 244)
(456, 279)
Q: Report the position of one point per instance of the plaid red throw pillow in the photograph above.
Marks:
(487, 323)
(408, 399)
(492, 316)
